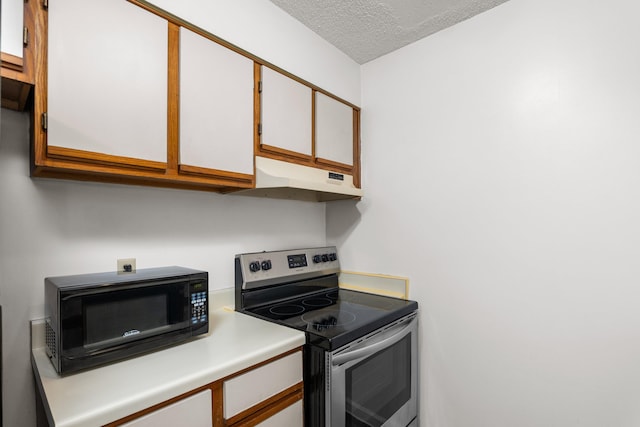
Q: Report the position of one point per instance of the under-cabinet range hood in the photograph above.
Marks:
(282, 180)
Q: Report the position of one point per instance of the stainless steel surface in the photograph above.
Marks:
(280, 270)
(384, 339)
(349, 356)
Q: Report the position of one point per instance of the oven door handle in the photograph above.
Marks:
(373, 348)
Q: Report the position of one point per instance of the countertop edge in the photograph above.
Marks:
(56, 391)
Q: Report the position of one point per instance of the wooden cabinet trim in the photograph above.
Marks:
(357, 167)
(63, 153)
(281, 153)
(15, 94)
(242, 180)
(11, 62)
(267, 408)
(161, 405)
(333, 165)
(173, 98)
(18, 74)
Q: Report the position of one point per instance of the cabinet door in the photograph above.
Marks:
(334, 128)
(11, 24)
(286, 114)
(253, 387)
(194, 411)
(291, 416)
(107, 80)
(216, 106)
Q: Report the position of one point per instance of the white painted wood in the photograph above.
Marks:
(286, 112)
(291, 416)
(253, 387)
(236, 342)
(216, 105)
(194, 411)
(107, 78)
(334, 130)
(12, 22)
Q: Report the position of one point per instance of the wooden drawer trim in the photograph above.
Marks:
(268, 408)
(160, 405)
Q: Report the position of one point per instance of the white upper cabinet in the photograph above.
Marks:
(216, 105)
(12, 24)
(334, 130)
(286, 113)
(107, 79)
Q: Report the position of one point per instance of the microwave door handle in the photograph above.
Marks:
(373, 348)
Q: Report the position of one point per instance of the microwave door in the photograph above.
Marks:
(104, 320)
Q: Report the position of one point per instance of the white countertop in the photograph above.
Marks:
(235, 341)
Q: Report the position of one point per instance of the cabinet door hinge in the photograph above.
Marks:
(45, 4)
(260, 86)
(44, 122)
(259, 128)
(25, 36)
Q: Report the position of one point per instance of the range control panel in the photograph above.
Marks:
(263, 268)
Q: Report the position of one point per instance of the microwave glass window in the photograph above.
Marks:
(379, 385)
(132, 314)
(133, 317)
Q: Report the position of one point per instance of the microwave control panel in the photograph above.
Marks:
(199, 304)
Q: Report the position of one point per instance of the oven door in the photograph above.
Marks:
(374, 381)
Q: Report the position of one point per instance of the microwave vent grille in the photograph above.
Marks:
(50, 337)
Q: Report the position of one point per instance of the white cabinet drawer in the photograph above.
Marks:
(290, 416)
(246, 390)
(194, 411)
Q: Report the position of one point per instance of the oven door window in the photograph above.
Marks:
(377, 387)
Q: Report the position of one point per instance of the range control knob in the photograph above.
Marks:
(333, 257)
(317, 259)
(266, 265)
(325, 257)
(254, 266)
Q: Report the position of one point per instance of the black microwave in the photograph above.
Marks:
(94, 319)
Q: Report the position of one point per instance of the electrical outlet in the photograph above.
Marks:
(126, 265)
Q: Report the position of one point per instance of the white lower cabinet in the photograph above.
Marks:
(268, 394)
(194, 411)
(291, 416)
(249, 389)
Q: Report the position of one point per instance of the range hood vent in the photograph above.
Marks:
(282, 180)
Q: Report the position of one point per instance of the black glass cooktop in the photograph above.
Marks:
(334, 317)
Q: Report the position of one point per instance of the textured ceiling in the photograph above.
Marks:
(367, 29)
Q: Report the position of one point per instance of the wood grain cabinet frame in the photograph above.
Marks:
(55, 160)
(249, 417)
(18, 74)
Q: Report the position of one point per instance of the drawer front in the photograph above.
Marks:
(257, 385)
(194, 411)
(290, 416)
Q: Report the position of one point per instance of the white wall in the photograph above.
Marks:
(502, 174)
(50, 227)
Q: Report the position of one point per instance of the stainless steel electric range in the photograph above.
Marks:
(361, 351)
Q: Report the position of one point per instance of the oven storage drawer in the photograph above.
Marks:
(242, 392)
